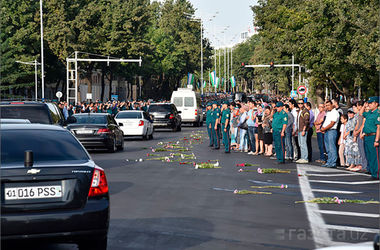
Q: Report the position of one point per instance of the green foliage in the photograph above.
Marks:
(337, 40)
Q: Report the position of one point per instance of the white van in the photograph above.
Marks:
(189, 103)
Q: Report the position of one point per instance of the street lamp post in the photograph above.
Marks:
(42, 54)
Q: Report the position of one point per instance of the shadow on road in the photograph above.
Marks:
(159, 233)
(117, 187)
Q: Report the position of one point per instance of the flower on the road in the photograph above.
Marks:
(216, 164)
(280, 187)
(336, 200)
(241, 170)
(153, 150)
(247, 165)
(259, 170)
(207, 165)
(272, 171)
(249, 192)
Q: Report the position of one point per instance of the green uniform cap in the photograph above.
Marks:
(373, 99)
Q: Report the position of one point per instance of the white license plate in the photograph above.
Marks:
(38, 192)
(87, 132)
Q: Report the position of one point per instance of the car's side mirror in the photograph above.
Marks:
(121, 124)
(179, 112)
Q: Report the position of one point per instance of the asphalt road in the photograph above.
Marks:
(167, 205)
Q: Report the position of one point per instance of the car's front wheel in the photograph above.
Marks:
(93, 244)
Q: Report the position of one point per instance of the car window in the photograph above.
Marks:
(128, 115)
(34, 113)
(159, 108)
(47, 146)
(90, 119)
(178, 101)
(189, 101)
(54, 113)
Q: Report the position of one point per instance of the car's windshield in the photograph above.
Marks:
(128, 115)
(47, 146)
(33, 113)
(159, 108)
(90, 119)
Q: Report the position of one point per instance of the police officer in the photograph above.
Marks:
(371, 140)
(208, 123)
(225, 127)
(280, 120)
(215, 124)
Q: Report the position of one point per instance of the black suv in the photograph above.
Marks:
(35, 112)
(165, 115)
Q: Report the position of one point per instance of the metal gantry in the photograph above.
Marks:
(72, 72)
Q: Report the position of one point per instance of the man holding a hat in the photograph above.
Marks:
(371, 131)
(280, 120)
(225, 121)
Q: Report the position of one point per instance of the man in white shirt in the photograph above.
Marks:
(329, 127)
(296, 148)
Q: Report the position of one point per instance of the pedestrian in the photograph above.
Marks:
(296, 148)
(280, 120)
(303, 127)
(234, 128)
(351, 148)
(243, 127)
(320, 136)
(251, 127)
(208, 124)
(358, 128)
(310, 131)
(225, 126)
(371, 135)
(268, 133)
(260, 132)
(329, 127)
(341, 141)
(215, 125)
(288, 134)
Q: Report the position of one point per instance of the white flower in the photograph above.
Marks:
(216, 164)
(196, 166)
(140, 159)
(127, 159)
(182, 156)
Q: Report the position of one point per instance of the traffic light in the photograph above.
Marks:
(271, 67)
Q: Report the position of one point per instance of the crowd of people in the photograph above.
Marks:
(111, 107)
(283, 129)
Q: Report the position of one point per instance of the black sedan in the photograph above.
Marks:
(98, 131)
(165, 115)
(50, 188)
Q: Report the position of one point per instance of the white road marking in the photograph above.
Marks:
(348, 183)
(331, 175)
(354, 229)
(349, 213)
(335, 191)
(317, 224)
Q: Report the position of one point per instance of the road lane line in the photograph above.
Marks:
(349, 213)
(354, 229)
(318, 227)
(347, 183)
(331, 175)
(335, 191)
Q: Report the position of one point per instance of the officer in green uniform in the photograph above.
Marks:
(208, 124)
(371, 146)
(280, 120)
(219, 129)
(225, 121)
(215, 124)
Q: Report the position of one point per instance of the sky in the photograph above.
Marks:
(236, 14)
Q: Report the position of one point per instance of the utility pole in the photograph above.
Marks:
(201, 57)
(42, 54)
(292, 72)
(35, 63)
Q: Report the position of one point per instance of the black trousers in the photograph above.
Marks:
(308, 143)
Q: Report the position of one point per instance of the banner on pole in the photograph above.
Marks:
(190, 79)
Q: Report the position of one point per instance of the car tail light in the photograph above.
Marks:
(99, 184)
(141, 123)
(17, 103)
(103, 131)
(196, 112)
(171, 116)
